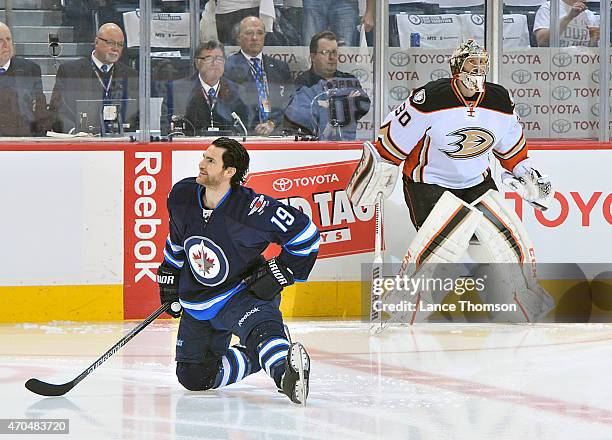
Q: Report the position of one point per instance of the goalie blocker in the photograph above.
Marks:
(445, 236)
(372, 176)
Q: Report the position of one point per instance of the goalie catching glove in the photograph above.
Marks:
(530, 185)
(373, 175)
(168, 281)
(269, 279)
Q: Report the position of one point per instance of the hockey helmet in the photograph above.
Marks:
(470, 64)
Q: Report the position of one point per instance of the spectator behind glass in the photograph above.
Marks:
(207, 100)
(23, 107)
(99, 76)
(577, 25)
(339, 16)
(266, 81)
(229, 13)
(328, 103)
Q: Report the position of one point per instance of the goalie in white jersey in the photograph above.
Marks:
(446, 134)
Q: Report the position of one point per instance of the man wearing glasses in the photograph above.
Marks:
(23, 103)
(328, 103)
(207, 100)
(267, 81)
(100, 79)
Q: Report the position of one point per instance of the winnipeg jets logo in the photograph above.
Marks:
(472, 142)
(207, 261)
(258, 204)
(205, 264)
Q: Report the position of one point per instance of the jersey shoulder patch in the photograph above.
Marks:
(497, 98)
(247, 206)
(434, 96)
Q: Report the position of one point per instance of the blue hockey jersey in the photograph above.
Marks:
(214, 256)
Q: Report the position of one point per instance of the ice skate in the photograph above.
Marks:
(294, 382)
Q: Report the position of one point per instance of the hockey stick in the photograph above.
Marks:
(49, 389)
(376, 323)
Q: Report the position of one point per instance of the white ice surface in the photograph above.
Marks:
(432, 381)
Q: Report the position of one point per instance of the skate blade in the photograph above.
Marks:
(300, 363)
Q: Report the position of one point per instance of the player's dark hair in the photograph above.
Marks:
(236, 156)
(314, 41)
(209, 45)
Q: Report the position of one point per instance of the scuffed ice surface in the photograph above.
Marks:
(429, 381)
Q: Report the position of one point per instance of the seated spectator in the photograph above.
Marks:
(266, 81)
(328, 103)
(99, 76)
(23, 103)
(206, 100)
(577, 25)
(339, 16)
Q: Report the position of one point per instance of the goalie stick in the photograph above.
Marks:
(49, 389)
(376, 322)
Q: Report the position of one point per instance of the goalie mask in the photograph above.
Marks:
(470, 64)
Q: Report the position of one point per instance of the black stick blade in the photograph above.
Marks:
(48, 389)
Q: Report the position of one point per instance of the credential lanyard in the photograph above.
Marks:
(105, 87)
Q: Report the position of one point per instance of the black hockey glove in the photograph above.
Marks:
(269, 279)
(168, 280)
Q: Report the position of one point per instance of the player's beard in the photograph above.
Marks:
(208, 181)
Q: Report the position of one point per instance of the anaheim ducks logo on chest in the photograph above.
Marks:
(472, 142)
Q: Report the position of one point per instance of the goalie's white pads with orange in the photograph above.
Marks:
(373, 175)
(443, 238)
(511, 278)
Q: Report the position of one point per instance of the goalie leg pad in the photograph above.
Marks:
(373, 175)
(445, 235)
(443, 238)
(507, 243)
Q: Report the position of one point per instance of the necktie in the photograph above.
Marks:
(105, 81)
(260, 84)
(211, 96)
(105, 78)
(2, 70)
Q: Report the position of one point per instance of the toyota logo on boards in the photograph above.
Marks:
(439, 73)
(561, 126)
(282, 185)
(361, 75)
(399, 93)
(561, 93)
(562, 59)
(399, 59)
(521, 76)
(522, 109)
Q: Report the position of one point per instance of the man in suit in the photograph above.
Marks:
(207, 100)
(23, 103)
(100, 77)
(328, 103)
(266, 81)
